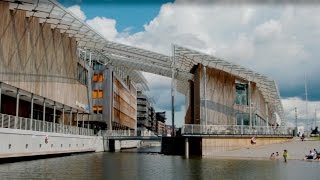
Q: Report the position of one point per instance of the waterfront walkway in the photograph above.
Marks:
(296, 150)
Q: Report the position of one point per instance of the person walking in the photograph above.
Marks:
(285, 155)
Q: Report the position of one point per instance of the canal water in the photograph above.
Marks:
(145, 165)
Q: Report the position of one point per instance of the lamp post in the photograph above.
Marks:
(315, 117)
(296, 117)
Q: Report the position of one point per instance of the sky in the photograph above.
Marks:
(279, 40)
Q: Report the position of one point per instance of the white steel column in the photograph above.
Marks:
(205, 95)
(307, 113)
(70, 117)
(267, 116)
(44, 113)
(249, 101)
(186, 148)
(173, 90)
(63, 118)
(17, 109)
(0, 95)
(31, 113)
(54, 117)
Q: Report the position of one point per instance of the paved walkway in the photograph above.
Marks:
(296, 150)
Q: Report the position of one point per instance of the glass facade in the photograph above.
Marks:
(82, 74)
(243, 119)
(241, 93)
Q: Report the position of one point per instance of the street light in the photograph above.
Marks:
(296, 120)
(315, 117)
(296, 117)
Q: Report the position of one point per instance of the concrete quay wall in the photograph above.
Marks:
(213, 146)
(20, 143)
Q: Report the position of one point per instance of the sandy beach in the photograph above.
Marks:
(297, 149)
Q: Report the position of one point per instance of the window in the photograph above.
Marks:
(100, 78)
(260, 121)
(243, 119)
(94, 108)
(100, 94)
(95, 78)
(95, 94)
(241, 93)
(82, 74)
(99, 109)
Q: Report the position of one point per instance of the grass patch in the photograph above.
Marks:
(317, 138)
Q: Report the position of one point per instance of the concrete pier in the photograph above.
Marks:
(186, 148)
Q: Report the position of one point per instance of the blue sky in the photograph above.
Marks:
(276, 40)
(128, 15)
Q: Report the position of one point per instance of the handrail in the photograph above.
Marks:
(14, 122)
(196, 129)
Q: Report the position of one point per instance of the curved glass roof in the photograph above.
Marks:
(137, 59)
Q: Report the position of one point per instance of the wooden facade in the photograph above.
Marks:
(38, 59)
(125, 104)
(220, 94)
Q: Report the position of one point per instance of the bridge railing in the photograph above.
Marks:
(14, 122)
(196, 129)
(118, 133)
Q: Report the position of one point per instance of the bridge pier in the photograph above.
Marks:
(114, 145)
(186, 148)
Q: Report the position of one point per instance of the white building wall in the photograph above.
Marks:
(15, 143)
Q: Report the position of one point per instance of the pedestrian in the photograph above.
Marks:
(272, 156)
(285, 155)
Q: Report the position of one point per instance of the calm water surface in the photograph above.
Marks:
(132, 165)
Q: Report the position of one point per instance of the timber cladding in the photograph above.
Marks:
(125, 104)
(220, 99)
(36, 58)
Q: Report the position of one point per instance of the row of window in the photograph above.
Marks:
(244, 119)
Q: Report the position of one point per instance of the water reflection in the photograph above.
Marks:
(127, 165)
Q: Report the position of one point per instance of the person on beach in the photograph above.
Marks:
(277, 155)
(317, 154)
(310, 155)
(302, 137)
(253, 140)
(285, 155)
(272, 156)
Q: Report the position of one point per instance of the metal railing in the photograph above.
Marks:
(14, 122)
(195, 129)
(116, 133)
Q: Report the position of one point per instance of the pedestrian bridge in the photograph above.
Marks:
(127, 135)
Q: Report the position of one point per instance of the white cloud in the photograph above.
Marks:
(106, 27)
(268, 30)
(279, 41)
(304, 116)
(76, 10)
